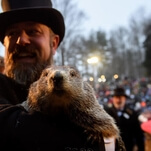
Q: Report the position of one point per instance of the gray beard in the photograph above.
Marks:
(26, 74)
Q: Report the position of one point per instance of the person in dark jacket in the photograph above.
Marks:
(31, 32)
(126, 119)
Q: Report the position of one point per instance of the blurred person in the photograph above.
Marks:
(31, 32)
(126, 119)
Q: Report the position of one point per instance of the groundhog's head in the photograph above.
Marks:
(62, 91)
(57, 87)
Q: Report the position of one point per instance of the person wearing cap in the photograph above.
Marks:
(31, 31)
(126, 119)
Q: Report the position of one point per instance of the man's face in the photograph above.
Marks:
(119, 101)
(29, 48)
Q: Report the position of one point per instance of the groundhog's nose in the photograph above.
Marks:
(58, 77)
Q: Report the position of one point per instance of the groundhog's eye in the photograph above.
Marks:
(72, 73)
(45, 73)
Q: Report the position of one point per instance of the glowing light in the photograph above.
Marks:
(102, 78)
(91, 79)
(93, 60)
(116, 76)
(99, 80)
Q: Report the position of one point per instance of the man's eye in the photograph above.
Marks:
(33, 32)
(12, 33)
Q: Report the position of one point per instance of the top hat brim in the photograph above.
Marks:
(48, 16)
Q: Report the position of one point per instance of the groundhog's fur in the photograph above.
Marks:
(61, 89)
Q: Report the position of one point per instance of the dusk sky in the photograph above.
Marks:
(109, 14)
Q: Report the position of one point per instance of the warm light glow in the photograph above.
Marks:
(93, 60)
(102, 78)
(91, 79)
(116, 76)
(99, 80)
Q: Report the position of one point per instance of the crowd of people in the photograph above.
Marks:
(138, 90)
(129, 102)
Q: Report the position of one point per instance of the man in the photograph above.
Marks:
(126, 119)
(31, 32)
(30, 36)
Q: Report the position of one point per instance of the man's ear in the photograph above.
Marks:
(55, 43)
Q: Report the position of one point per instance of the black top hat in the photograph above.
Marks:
(41, 11)
(119, 91)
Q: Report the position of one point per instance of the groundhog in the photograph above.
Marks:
(62, 91)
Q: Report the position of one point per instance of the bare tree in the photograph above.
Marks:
(117, 45)
(126, 46)
(136, 39)
(73, 19)
(147, 47)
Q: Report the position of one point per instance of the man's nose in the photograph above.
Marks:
(23, 38)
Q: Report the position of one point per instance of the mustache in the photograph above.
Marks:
(28, 49)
